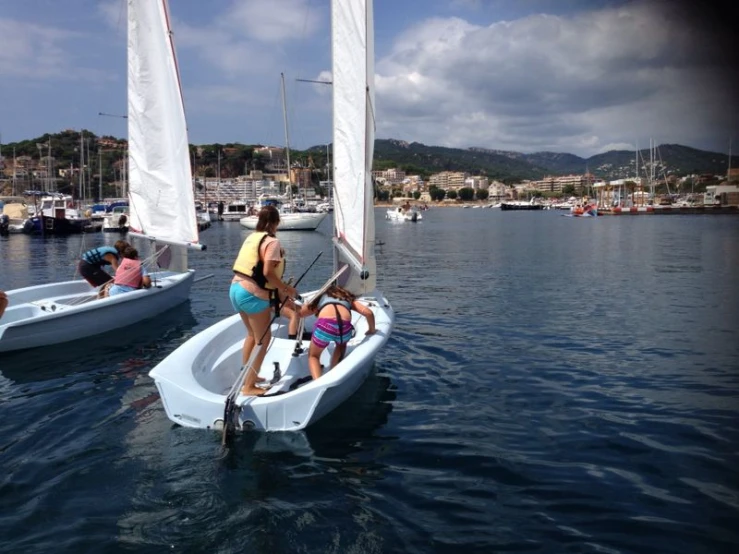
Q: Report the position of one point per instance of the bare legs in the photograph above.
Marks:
(338, 354)
(3, 302)
(314, 361)
(256, 326)
(314, 358)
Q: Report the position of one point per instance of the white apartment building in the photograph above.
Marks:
(393, 176)
(497, 190)
(448, 180)
(557, 184)
(476, 182)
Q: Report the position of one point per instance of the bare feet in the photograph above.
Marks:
(253, 391)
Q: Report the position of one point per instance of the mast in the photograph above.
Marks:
(100, 174)
(287, 144)
(48, 165)
(328, 166)
(14, 170)
(728, 171)
(82, 164)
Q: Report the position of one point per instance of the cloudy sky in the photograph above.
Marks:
(578, 76)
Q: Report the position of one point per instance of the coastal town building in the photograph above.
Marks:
(448, 180)
(497, 191)
(393, 176)
(476, 182)
(558, 183)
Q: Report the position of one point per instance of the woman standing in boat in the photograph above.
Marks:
(257, 280)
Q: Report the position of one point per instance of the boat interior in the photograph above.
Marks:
(38, 308)
(284, 367)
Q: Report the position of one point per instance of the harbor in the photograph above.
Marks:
(603, 395)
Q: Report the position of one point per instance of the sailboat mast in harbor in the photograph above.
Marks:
(287, 143)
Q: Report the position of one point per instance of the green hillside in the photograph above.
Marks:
(107, 153)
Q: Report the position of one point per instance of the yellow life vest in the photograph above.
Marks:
(250, 263)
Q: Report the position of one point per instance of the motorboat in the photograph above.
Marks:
(117, 220)
(400, 213)
(16, 216)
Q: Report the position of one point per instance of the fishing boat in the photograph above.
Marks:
(162, 208)
(56, 215)
(200, 382)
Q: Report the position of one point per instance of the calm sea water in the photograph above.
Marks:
(552, 385)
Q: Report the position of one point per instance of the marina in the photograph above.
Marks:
(603, 393)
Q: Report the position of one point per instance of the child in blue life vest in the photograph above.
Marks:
(91, 264)
(333, 324)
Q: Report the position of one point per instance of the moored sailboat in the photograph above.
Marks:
(201, 379)
(290, 218)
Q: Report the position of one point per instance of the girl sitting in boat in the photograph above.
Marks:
(130, 275)
(333, 324)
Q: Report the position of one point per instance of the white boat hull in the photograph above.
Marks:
(300, 221)
(60, 312)
(396, 215)
(195, 379)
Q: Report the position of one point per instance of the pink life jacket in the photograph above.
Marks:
(129, 273)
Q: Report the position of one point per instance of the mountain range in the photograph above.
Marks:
(515, 166)
(412, 157)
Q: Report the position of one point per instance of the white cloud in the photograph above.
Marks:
(33, 51)
(271, 21)
(549, 82)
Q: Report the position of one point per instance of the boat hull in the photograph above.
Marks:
(395, 215)
(520, 206)
(301, 221)
(47, 225)
(195, 379)
(70, 310)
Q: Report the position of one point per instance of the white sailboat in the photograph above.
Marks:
(290, 219)
(162, 208)
(196, 380)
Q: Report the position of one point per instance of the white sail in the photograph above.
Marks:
(161, 196)
(354, 138)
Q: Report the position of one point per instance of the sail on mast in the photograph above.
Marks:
(162, 202)
(353, 137)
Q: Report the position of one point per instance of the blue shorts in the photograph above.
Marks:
(120, 289)
(244, 301)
